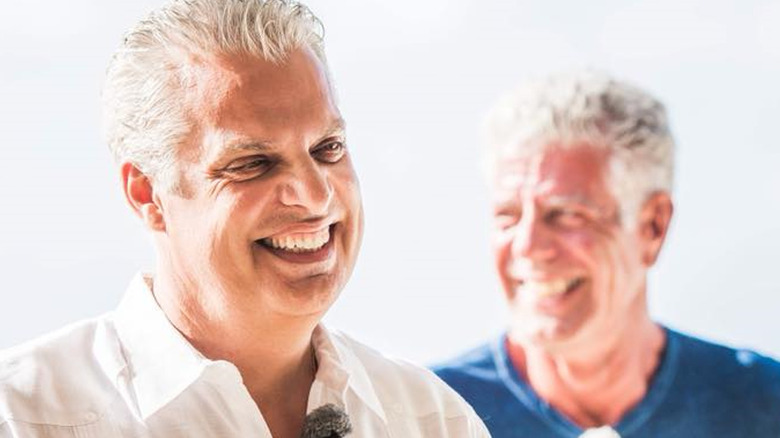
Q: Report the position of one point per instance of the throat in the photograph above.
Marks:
(283, 402)
(594, 392)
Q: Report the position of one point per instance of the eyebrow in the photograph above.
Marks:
(246, 145)
(337, 126)
(559, 201)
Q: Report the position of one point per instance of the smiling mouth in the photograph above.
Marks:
(552, 289)
(299, 242)
(301, 247)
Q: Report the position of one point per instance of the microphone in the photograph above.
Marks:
(600, 432)
(327, 421)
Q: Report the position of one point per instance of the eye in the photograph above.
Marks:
(505, 218)
(566, 218)
(251, 166)
(330, 152)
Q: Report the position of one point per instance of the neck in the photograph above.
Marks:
(272, 352)
(594, 386)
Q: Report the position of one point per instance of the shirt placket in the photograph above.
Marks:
(228, 379)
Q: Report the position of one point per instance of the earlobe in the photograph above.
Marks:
(655, 217)
(141, 196)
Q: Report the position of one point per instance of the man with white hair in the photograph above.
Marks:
(232, 151)
(581, 177)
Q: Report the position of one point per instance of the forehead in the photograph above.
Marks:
(578, 171)
(255, 98)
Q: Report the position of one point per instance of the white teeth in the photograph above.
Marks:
(544, 289)
(300, 242)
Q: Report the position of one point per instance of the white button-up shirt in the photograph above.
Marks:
(130, 373)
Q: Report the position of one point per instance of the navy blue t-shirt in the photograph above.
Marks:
(699, 390)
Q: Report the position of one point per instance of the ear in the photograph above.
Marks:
(141, 196)
(654, 219)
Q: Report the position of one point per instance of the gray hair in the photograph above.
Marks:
(144, 118)
(571, 108)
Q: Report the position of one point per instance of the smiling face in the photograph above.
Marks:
(571, 271)
(268, 213)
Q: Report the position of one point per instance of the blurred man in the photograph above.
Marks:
(232, 151)
(581, 177)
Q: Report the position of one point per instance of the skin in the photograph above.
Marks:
(592, 350)
(266, 158)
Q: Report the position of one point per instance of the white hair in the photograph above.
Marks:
(572, 108)
(144, 119)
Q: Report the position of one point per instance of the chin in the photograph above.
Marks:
(312, 296)
(553, 336)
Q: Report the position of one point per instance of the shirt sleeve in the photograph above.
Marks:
(478, 429)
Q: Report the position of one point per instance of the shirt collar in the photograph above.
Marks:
(341, 370)
(161, 364)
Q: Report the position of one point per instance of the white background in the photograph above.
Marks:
(415, 78)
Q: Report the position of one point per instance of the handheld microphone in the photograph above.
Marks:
(327, 421)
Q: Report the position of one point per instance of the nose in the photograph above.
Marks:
(309, 187)
(532, 240)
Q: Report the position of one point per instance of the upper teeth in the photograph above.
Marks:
(299, 242)
(551, 288)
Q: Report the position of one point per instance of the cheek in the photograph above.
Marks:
(347, 195)
(351, 192)
(250, 206)
(248, 194)
(187, 221)
(348, 201)
(502, 254)
(224, 235)
(225, 226)
(581, 245)
(344, 180)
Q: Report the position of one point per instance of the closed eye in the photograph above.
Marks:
(248, 167)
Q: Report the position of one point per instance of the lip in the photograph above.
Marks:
(519, 279)
(556, 304)
(305, 257)
(304, 227)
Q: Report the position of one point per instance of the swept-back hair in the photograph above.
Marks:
(144, 118)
